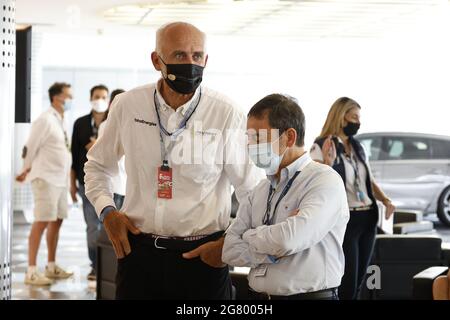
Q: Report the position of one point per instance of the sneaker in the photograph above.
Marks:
(92, 276)
(58, 273)
(37, 279)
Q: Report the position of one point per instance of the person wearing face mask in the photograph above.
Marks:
(337, 147)
(47, 160)
(84, 136)
(120, 179)
(181, 144)
(290, 229)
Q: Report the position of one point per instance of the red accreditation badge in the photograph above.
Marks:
(165, 182)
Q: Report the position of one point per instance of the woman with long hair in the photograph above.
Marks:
(337, 147)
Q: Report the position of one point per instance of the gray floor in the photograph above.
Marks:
(72, 254)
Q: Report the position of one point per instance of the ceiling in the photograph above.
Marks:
(293, 19)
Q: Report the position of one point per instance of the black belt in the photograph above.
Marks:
(178, 244)
(326, 294)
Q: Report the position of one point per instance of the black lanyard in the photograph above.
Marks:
(192, 107)
(267, 220)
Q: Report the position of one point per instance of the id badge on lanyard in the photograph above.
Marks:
(165, 181)
(165, 177)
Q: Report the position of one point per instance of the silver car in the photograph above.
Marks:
(413, 169)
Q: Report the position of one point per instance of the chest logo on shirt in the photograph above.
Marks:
(206, 133)
(151, 124)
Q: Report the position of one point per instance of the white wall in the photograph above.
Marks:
(401, 81)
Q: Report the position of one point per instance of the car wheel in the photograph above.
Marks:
(443, 211)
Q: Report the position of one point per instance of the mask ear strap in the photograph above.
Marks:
(165, 65)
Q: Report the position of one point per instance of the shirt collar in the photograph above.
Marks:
(288, 172)
(56, 113)
(164, 106)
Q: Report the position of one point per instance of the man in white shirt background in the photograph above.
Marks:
(47, 162)
(169, 234)
(119, 180)
(291, 228)
(84, 135)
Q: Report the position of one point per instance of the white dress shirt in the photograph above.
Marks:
(308, 246)
(47, 153)
(201, 201)
(119, 180)
(350, 164)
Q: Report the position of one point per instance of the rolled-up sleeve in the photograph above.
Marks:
(243, 174)
(236, 251)
(39, 131)
(102, 164)
(319, 212)
(316, 153)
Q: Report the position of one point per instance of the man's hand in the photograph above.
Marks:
(21, 177)
(73, 192)
(117, 226)
(90, 144)
(210, 253)
(390, 208)
(294, 213)
(329, 151)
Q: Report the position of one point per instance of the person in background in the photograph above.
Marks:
(168, 237)
(47, 160)
(119, 180)
(84, 135)
(291, 228)
(337, 147)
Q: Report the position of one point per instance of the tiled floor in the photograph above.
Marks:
(71, 255)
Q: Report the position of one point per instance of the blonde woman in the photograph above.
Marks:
(337, 147)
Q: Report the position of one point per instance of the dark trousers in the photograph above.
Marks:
(327, 294)
(93, 226)
(151, 273)
(358, 246)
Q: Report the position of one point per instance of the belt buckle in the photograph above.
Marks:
(156, 242)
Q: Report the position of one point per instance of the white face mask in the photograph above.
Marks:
(99, 105)
(264, 157)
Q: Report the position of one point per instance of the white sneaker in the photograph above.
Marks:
(57, 273)
(37, 279)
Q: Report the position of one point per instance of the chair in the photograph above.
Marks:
(399, 258)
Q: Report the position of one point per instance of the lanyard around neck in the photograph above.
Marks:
(162, 130)
(267, 219)
(66, 140)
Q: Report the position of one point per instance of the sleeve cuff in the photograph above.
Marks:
(103, 202)
(105, 212)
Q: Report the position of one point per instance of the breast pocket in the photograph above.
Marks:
(200, 159)
(286, 210)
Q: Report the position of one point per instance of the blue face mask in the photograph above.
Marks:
(264, 157)
(67, 104)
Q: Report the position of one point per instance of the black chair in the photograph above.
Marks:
(400, 258)
(423, 282)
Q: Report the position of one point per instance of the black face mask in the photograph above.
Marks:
(183, 78)
(351, 128)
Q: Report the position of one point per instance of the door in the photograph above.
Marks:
(372, 146)
(409, 175)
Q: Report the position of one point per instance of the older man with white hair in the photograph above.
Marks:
(183, 153)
